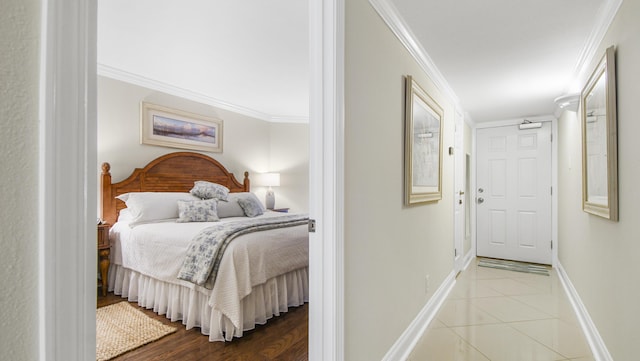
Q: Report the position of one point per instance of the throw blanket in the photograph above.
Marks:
(207, 247)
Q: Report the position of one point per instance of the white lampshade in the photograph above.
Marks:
(270, 179)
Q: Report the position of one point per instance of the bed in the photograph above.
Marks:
(260, 274)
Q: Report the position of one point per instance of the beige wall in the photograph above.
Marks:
(600, 256)
(389, 247)
(247, 142)
(19, 74)
(289, 155)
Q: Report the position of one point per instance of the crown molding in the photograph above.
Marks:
(604, 18)
(131, 78)
(390, 15)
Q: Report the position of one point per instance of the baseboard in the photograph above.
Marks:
(402, 348)
(597, 345)
(468, 258)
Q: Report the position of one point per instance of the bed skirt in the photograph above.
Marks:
(191, 304)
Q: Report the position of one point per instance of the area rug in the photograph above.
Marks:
(514, 266)
(121, 327)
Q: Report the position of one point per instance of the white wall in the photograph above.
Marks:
(19, 74)
(247, 142)
(600, 256)
(389, 247)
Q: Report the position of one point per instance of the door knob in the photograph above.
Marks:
(480, 200)
(461, 192)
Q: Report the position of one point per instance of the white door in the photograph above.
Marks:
(459, 196)
(513, 193)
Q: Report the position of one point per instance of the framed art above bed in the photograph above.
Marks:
(163, 126)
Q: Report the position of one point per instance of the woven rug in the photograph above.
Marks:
(121, 327)
(514, 266)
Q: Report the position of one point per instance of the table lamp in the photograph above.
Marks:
(270, 180)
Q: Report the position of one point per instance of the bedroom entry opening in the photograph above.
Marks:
(313, 202)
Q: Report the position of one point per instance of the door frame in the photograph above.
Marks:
(67, 213)
(326, 188)
(554, 174)
(68, 180)
(458, 185)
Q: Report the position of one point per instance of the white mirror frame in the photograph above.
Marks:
(606, 204)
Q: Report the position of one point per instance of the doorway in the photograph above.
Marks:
(513, 195)
(68, 102)
(460, 197)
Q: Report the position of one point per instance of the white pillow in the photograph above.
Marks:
(149, 207)
(124, 215)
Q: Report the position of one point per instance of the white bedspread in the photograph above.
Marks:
(157, 250)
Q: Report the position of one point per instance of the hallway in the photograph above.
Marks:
(500, 315)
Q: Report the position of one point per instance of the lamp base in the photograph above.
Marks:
(270, 200)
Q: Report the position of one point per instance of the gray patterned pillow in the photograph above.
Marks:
(198, 211)
(251, 206)
(232, 208)
(208, 190)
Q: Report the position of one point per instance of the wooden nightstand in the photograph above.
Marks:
(104, 249)
(281, 210)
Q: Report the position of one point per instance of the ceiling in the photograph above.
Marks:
(503, 59)
(250, 56)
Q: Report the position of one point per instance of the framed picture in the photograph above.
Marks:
(173, 128)
(600, 140)
(423, 145)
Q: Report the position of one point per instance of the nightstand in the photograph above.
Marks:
(281, 210)
(104, 249)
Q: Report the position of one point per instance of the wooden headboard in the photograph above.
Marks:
(174, 172)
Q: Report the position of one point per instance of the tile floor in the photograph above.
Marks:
(502, 315)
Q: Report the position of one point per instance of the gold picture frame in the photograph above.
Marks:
(167, 127)
(423, 145)
(600, 140)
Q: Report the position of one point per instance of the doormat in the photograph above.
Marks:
(121, 327)
(514, 266)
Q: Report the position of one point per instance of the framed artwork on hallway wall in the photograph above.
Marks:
(163, 126)
(600, 140)
(423, 145)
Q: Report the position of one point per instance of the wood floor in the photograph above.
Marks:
(283, 338)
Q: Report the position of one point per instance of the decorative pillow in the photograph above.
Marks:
(232, 208)
(148, 207)
(208, 190)
(198, 211)
(251, 206)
